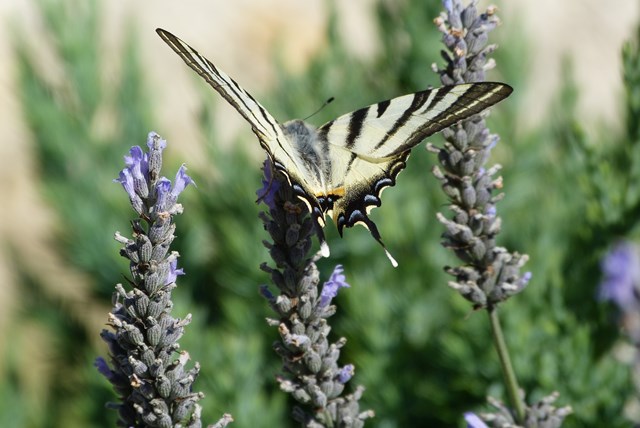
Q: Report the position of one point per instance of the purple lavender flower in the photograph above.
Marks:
(103, 368)
(346, 373)
(181, 182)
(126, 179)
(137, 162)
(167, 196)
(474, 421)
(621, 276)
(138, 165)
(173, 272)
(330, 288)
(269, 186)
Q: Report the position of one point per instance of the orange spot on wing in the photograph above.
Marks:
(337, 191)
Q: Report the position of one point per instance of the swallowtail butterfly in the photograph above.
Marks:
(341, 168)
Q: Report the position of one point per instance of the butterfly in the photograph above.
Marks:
(341, 168)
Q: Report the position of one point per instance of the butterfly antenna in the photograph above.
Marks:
(326, 103)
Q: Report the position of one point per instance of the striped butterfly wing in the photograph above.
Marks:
(269, 131)
(264, 125)
(391, 127)
(369, 147)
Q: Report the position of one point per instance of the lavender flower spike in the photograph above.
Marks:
(489, 274)
(145, 368)
(311, 373)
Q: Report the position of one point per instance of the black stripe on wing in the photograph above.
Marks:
(355, 126)
(382, 107)
(419, 99)
(478, 97)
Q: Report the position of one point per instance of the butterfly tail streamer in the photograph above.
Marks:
(373, 229)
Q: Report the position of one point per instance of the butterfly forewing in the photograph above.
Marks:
(268, 130)
(391, 127)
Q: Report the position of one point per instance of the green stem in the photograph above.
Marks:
(513, 390)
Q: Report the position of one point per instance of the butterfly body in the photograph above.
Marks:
(341, 168)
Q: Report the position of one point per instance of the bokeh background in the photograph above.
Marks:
(83, 80)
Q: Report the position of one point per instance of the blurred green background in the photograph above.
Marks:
(89, 80)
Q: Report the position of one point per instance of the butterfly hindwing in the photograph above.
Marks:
(360, 188)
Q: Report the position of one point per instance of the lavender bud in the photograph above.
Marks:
(134, 335)
(468, 193)
(305, 310)
(160, 251)
(156, 145)
(293, 234)
(301, 396)
(468, 15)
(313, 361)
(338, 389)
(154, 334)
(160, 230)
(155, 308)
(327, 388)
(283, 304)
(318, 398)
(454, 157)
(139, 368)
(478, 249)
(144, 248)
(153, 282)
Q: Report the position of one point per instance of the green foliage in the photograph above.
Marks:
(423, 356)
